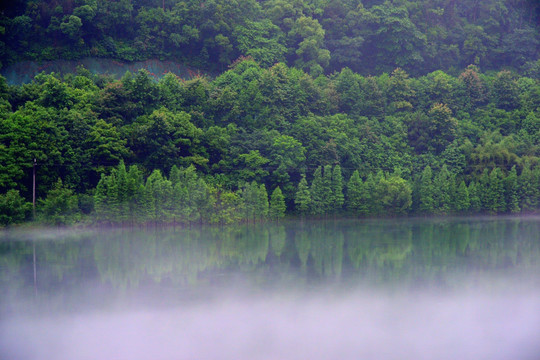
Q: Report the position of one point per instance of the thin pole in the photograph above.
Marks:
(34, 192)
(35, 272)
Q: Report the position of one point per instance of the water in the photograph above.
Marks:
(347, 289)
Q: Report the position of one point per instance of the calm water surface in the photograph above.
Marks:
(336, 289)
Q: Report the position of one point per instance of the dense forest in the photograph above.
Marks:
(369, 37)
(321, 108)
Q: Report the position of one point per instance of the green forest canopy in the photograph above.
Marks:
(295, 124)
(369, 37)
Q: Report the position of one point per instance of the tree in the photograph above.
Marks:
(262, 208)
(511, 191)
(328, 196)
(308, 35)
(474, 88)
(157, 193)
(337, 189)
(474, 197)
(357, 197)
(400, 93)
(106, 146)
(505, 91)
(302, 198)
(495, 192)
(317, 193)
(394, 194)
(13, 208)
(263, 41)
(528, 189)
(277, 204)
(72, 26)
(443, 186)
(60, 206)
(461, 201)
(426, 191)
(442, 127)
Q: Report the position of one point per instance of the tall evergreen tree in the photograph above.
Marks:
(328, 196)
(495, 202)
(262, 203)
(474, 197)
(461, 201)
(277, 204)
(426, 191)
(302, 197)
(528, 189)
(377, 187)
(337, 189)
(483, 192)
(357, 200)
(511, 191)
(442, 191)
(317, 193)
(100, 199)
(370, 187)
(250, 197)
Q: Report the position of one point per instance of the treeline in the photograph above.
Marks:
(184, 197)
(277, 127)
(317, 36)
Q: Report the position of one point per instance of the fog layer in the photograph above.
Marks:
(360, 325)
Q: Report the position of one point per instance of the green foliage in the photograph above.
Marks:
(358, 198)
(303, 197)
(13, 208)
(60, 207)
(322, 36)
(426, 191)
(277, 204)
(338, 199)
(305, 94)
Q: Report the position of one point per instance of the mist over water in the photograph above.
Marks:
(407, 289)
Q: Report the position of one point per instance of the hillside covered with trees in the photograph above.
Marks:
(321, 108)
(317, 36)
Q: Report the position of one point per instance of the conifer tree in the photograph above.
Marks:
(511, 191)
(249, 195)
(377, 187)
(100, 199)
(425, 188)
(328, 196)
(337, 189)
(461, 199)
(474, 198)
(175, 175)
(442, 190)
(356, 202)
(495, 192)
(262, 203)
(482, 190)
(370, 187)
(277, 204)
(528, 188)
(317, 196)
(111, 187)
(122, 189)
(302, 197)
(135, 192)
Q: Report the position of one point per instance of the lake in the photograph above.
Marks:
(438, 288)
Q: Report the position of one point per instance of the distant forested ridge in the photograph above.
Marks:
(260, 142)
(317, 36)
